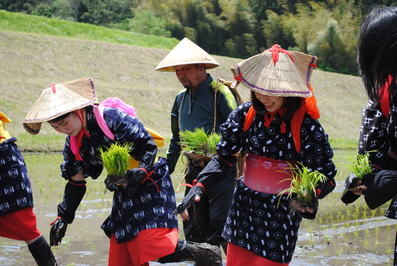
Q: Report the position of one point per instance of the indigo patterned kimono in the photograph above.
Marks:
(153, 204)
(260, 222)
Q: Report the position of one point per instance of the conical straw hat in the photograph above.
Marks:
(186, 52)
(277, 72)
(59, 99)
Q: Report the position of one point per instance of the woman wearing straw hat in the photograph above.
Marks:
(138, 234)
(204, 103)
(278, 129)
(17, 220)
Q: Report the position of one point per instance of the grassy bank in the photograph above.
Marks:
(41, 25)
(36, 51)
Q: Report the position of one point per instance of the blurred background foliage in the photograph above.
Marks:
(235, 28)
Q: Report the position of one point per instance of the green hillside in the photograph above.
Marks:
(31, 61)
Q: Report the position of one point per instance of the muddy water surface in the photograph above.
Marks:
(340, 235)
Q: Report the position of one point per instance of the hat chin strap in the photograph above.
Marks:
(83, 132)
(309, 107)
(269, 117)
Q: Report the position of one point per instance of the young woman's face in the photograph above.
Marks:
(271, 103)
(70, 125)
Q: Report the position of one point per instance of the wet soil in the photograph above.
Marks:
(340, 235)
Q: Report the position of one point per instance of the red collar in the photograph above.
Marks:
(79, 137)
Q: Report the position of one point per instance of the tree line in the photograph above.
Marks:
(236, 28)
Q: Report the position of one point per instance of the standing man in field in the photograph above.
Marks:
(203, 103)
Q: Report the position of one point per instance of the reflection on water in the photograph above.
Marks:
(340, 235)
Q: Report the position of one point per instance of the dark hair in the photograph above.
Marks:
(292, 104)
(377, 50)
(197, 66)
(59, 118)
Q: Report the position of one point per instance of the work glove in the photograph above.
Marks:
(189, 199)
(347, 195)
(135, 176)
(114, 183)
(73, 194)
(57, 231)
(296, 205)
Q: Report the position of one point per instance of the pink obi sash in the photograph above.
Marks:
(266, 175)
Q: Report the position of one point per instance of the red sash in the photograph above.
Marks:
(266, 175)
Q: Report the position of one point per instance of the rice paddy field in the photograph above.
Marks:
(340, 235)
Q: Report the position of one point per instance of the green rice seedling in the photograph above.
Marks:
(360, 165)
(198, 146)
(213, 139)
(196, 141)
(115, 160)
(303, 184)
(91, 245)
(356, 235)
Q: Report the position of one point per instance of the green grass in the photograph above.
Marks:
(37, 51)
(55, 27)
(343, 144)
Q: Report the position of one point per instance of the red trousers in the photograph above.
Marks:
(148, 245)
(237, 256)
(19, 225)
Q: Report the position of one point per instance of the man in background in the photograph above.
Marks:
(203, 103)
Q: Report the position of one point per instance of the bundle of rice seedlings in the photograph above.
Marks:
(197, 146)
(360, 165)
(303, 186)
(213, 139)
(115, 160)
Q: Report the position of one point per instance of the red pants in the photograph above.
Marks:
(237, 256)
(149, 244)
(19, 225)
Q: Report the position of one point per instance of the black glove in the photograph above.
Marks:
(188, 200)
(74, 193)
(114, 183)
(110, 185)
(57, 231)
(295, 204)
(135, 177)
(347, 195)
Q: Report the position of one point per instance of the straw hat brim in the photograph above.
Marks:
(186, 52)
(58, 100)
(285, 78)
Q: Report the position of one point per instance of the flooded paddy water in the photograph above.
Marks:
(340, 235)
